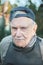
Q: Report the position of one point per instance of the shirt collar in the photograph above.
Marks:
(32, 41)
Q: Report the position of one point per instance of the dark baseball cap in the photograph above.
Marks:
(22, 12)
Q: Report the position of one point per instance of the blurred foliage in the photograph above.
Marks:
(9, 7)
(0, 8)
(0, 2)
(39, 20)
(2, 25)
(15, 5)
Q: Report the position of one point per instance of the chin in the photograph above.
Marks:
(20, 44)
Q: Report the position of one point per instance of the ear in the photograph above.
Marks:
(35, 27)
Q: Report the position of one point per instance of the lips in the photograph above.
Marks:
(19, 38)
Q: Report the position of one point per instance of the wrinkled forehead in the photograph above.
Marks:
(22, 21)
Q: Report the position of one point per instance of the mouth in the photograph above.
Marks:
(19, 39)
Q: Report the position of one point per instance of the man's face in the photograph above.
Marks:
(22, 30)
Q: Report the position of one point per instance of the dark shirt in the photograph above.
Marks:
(23, 56)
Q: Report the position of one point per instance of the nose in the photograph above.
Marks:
(18, 33)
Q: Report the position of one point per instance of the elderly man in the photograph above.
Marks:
(22, 47)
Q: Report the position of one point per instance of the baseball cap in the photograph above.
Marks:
(21, 12)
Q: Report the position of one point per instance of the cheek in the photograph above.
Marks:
(29, 34)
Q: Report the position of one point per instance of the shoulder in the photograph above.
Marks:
(40, 42)
(40, 39)
(41, 46)
(6, 40)
(4, 44)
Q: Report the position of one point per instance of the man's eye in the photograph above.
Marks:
(14, 28)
